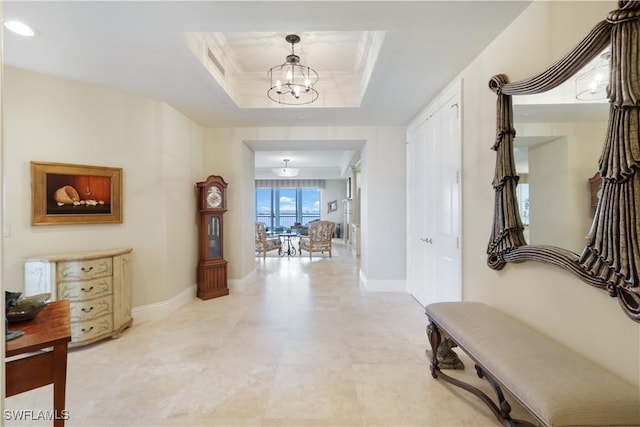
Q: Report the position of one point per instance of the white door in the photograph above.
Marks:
(419, 262)
(433, 239)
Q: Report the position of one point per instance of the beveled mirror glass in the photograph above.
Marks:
(610, 259)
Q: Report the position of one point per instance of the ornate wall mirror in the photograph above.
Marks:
(610, 259)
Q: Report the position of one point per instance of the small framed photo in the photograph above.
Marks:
(333, 206)
(75, 194)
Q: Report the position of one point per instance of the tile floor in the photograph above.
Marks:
(302, 345)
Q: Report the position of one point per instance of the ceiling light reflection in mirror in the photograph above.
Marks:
(20, 28)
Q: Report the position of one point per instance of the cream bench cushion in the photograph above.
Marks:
(558, 386)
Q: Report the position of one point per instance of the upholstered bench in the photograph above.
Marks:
(556, 385)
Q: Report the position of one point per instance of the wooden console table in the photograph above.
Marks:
(39, 357)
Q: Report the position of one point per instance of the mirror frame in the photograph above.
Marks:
(611, 258)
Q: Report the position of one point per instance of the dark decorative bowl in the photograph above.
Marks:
(27, 308)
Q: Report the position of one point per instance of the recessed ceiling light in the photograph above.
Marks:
(20, 28)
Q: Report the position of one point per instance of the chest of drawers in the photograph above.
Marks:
(97, 285)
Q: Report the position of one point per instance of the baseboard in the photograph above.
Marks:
(382, 285)
(239, 285)
(162, 310)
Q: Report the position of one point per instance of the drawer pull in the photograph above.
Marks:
(86, 270)
(87, 311)
(87, 330)
(86, 290)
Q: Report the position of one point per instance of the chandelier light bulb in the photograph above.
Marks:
(591, 85)
(598, 80)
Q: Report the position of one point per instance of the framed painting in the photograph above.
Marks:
(332, 206)
(75, 194)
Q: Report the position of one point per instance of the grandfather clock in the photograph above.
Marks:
(212, 268)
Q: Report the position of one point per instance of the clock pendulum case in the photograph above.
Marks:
(212, 268)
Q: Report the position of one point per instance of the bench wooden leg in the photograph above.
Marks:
(502, 413)
(447, 358)
(505, 407)
(433, 333)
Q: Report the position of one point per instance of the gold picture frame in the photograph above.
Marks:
(64, 193)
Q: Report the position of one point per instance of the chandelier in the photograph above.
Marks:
(292, 83)
(286, 172)
(592, 84)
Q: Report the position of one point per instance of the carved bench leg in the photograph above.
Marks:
(446, 357)
(505, 407)
(433, 333)
(501, 412)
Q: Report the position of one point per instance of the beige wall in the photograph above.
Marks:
(56, 120)
(552, 301)
(225, 154)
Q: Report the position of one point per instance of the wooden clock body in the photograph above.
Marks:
(212, 268)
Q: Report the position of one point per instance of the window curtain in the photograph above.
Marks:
(290, 183)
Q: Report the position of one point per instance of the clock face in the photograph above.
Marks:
(214, 197)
